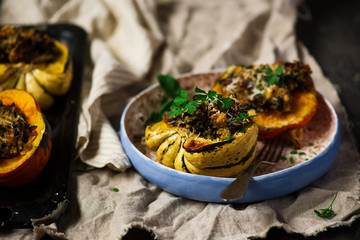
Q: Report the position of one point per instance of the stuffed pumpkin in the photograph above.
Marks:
(35, 62)
(210, 136)
(25, 138)
(282, 95)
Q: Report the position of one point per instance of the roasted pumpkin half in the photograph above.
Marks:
(35, 62)
(282, 95)
(215, 138)
(25, 138)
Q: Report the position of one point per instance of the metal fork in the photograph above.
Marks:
(270, 154)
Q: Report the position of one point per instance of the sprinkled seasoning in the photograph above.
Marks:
(14, 131)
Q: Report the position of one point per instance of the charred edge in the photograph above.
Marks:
(242, 161)
(165, 140)
(184, 164)
(166, 149)
(211, 147)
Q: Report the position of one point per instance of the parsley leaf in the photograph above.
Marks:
(203, 96)
(154, 117)
(279, 70)
(243, 116)
(190, 107)
(227, 103)
(273, 77)
(198, 90)
(169, 84)
(176, 100)
(268, 71)
(273, 80)
(326, 212)
(172, 89)
(182, 104)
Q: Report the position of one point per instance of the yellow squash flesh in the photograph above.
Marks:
(178, 148)
(44, 80)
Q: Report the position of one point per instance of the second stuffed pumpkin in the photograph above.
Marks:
(282, 95)
(35, 62)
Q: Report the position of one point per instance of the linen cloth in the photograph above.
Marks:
(129, 43)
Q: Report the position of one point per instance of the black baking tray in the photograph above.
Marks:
(43, 200)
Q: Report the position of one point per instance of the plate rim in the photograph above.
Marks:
(269, 176)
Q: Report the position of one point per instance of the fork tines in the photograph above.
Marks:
(272, 149)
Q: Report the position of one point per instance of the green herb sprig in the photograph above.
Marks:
(172, 88)
(176, 101)
(182, 104)
(327, 212)
(224, 103)
(273, 77)
(243, 116)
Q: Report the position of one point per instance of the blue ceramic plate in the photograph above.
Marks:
(315, 156)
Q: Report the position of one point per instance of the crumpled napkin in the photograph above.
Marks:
(129, 43)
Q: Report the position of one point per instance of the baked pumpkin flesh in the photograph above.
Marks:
(211, 141)
(24, 138)
(35, 62)
(282, 95)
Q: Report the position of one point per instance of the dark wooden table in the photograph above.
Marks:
(332, 35)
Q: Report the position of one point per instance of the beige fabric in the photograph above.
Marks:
(129, 43)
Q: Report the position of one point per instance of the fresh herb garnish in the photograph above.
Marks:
(182, 104)
(176, 101)
(273, 77)
(203, 96)
(170, 85)
(243, 116)
(327, 212)
(154, 117)
(172, 89)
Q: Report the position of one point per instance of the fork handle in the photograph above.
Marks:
(237, 189)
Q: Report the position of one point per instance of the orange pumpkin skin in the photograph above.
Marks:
(23, 169)
(265, 134)
(272, 122)
(308, 111)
